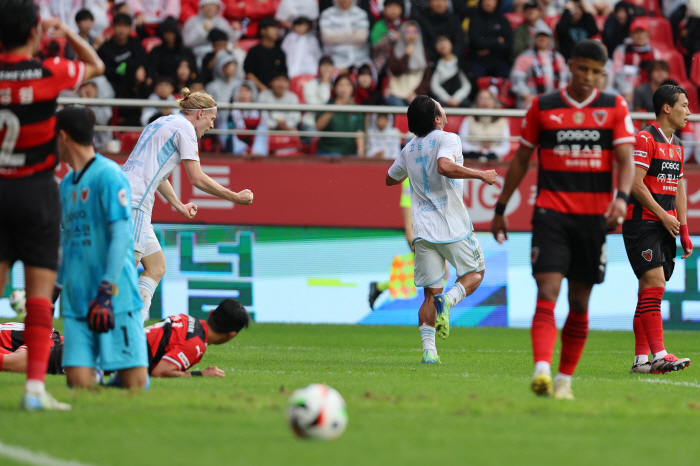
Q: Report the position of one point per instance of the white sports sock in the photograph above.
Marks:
(147, 286)
(427, 334)
(660, 354)
(641, 359)
(456, 294)
(543, 366)
(564, 377)
(35, 387)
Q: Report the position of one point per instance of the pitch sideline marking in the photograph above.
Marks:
(35, 458)
(671, 382)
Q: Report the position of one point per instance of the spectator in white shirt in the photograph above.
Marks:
(496, 128)
(385, 147)
(344, 34)
(301, 47)
(289, 10)
(279, 93)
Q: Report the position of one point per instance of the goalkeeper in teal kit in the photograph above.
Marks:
(97, 279)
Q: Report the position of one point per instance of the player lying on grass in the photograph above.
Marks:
(13, 350)
(178, 342)
(442, 229)
(656, 214)
(100, 301)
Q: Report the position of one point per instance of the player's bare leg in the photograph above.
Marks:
(134, 378)
(80, 377)
(463, 287)
(651, 288)
(14, 362)
(4, 276)
(543, 332)
(427, 317)
(153, 272)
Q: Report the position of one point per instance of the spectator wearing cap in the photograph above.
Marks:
(163, 89)
(409, 74)
(301, 47)
(279, 94)
(195, 33)
(289, 10)
(165, 58)
(522, 35)
(575, 25)
(266, 60)
(642, 100)
(490, 41)
(448, 84)
(538, 70)
(344, 34)
(631, 60)
(125, 67)
(153, 12)
(222, 86)
(385, 33)
(437, 21)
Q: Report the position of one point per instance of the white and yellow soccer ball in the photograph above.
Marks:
(317, 411)
(18, 299)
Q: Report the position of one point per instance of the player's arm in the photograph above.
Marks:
(397, 172)
(84, 51)
(408, 225)
(167, 369)
(642, 194)
(186, 210)
(446, 167)
(13, 362)
(516, 172)
(390, 181)
(203, 182)
(682, 211)
(626, 175)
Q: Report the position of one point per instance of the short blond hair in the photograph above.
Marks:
(197, 101)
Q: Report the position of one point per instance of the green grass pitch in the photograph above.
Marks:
(474, 409)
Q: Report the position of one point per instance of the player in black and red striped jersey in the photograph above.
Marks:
(29, 230)
(580, 133)
(656, 214)
(178, 342)
(13, 350)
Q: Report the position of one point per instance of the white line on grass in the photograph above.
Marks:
(671, 382)
(35, 458)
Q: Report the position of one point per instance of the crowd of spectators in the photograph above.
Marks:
(481, 53)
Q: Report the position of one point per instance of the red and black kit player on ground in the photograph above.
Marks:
(29, 230)
(580, 131)
(13, 350)
(656, 214)
(178, 342)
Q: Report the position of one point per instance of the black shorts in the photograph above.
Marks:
(573, 245)
(30, 230)
(649, 245)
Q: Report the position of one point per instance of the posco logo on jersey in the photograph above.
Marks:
(671, 165)
(578, 135)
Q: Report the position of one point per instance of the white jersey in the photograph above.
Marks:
(437, 202)
(161, 147)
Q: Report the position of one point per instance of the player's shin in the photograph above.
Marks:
(573, 339)
(456, 294)
(38, 326)
(147, 287)
(543, 332)
(427, 334)
(650, 312)
(641, 345)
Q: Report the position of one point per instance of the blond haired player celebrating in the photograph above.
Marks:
(442, 229)
(162, 146)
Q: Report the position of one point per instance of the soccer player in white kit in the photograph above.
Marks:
(162, 146)
(442, 229)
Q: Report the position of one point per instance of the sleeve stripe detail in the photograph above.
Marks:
(172, 361)
(526, 143)
(641, 164)
(81, 76)
(630, 140)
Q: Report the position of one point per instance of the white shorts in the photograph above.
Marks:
(465, 256)
(145, 240)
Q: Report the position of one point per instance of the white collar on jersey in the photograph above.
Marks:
(660, 131)
(594, 95)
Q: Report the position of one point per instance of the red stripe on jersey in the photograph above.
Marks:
(646, 214)
(35, 134)
(574, 203)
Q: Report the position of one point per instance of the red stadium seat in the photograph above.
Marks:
(284, 145)
(692, 92)
(129, 141)
(296, 85)
(695, 69)
(515, 19)
(401, 122)
(659, 31)
(247, 44)
(651, 7)
(600, 22)
(453, 123)
(149, 43)
(676, 63)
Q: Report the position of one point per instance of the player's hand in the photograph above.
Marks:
(189, 210)
(686, 243)
(671, 224)
(499, 228)
(245, 197)
(58, 26)
(615, 214)
(213, 371)
(489, 176)
(101, 311)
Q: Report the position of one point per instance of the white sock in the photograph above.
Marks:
(660, 354)
(456, 294)
(35, 387)
(427, 334)
(543, 366)
(147, 286)
(641, 359)
(564, 377)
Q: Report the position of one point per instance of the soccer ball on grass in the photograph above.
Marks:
(18, 299)
(317, 411)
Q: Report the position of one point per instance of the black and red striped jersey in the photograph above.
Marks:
(662, 158)
(12, 336)
(576, 149)
(180, 340)
(28, 92)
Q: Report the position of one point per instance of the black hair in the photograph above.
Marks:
(78, 122)
(302, 20)
(266, 22)
(325, 60)
(590, 48)
(164, 79)
(421, 115)
(339, 78)
(278, 74)
(84, 14)
(396, 2)
(364, 69)
(121, 18)
(229, 316)
(666, 94)
(17, 19)
(216, 35)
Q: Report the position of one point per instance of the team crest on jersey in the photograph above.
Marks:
(534, 254)
(599, 116)
(122, 197)
(84, 194)
(647, 255)
(678, 151)
(579, 118)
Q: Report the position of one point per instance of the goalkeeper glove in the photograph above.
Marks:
(686, 243)
(101, 311)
